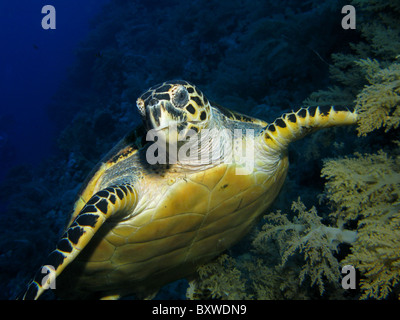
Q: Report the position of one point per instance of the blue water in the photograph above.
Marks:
(33, 63)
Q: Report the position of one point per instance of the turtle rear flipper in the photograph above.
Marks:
(107, 203)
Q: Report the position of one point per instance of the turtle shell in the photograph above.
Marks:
(182, 219)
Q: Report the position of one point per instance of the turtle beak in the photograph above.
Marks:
(159, 116)
(157, 119)
(162, 118)
(153, 114)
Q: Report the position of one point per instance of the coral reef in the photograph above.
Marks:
(366, 190)
(379, 102)
(374, 177)
(218, 280)
(306, 257)
(307, 235)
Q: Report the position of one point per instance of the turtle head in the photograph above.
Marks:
(177, 108)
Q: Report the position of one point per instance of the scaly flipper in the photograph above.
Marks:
(110, 202)
(295, 125)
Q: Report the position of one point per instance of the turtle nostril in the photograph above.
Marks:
(153, 102)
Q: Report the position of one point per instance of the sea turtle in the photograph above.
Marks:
(140, 222)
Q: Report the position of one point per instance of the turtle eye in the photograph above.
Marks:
(180, 97)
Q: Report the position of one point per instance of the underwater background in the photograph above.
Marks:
(68, 96)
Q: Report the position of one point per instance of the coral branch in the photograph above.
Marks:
(307, 235)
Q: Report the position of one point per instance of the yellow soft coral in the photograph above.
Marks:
(366, 189)
(379, 102)
(377, 254)
(219, 279)
(359, 186)
(307, 235)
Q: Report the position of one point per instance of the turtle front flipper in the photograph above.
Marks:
(295, 125)
(111, 202)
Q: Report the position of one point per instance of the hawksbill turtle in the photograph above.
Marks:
(139, 222)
